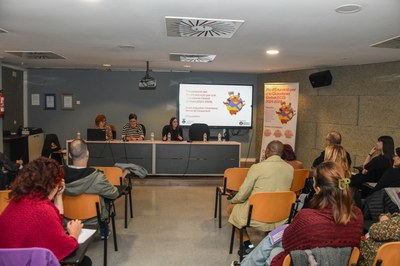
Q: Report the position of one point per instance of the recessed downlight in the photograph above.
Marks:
(348, 9)
(272, 52)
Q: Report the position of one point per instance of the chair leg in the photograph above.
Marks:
(114, 232)
(241, 246)
(105, 247)
(232, 239)
(220, 209)
(126, 211)
(130, 197)
(216, 201)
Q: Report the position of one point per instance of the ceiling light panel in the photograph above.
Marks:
(192, 58)
(390, 43)
(201, 27)
(36, 54)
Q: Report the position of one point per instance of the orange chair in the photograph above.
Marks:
(233, 179)
(4, 199)
(388, 254)
(114, 175)
(299, 180)
(266, 207)
(85, 207)
(352, 260)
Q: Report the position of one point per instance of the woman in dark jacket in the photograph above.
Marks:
(375, 166)
(174, 129)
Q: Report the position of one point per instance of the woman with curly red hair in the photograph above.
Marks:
(31, 219)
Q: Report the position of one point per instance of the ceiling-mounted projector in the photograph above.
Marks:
(147, 82)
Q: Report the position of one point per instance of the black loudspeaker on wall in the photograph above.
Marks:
(320, 79)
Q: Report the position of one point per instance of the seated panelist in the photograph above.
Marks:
(101, 122)
(132, 131)
(174, 129)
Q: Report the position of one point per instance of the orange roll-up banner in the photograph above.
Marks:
(280, 114)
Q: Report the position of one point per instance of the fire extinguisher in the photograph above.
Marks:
(1, 103)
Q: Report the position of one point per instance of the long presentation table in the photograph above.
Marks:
(167, 157)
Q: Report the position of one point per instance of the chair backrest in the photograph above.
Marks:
(388, 254)
(352, 260)
(112, 173)
(47, 149)
(197, 130)
(27, 256)
(299, 180)
(143, 129)
(165, 128)
(270, 207)
(354, 257)
(4, 199)
(235, 177)
(82, 207)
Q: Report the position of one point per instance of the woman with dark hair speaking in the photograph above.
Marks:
(173, 129)
(378, 160)
(332, 221)
(31, 219)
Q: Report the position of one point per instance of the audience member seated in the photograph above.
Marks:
(31, 219)
(336, 153)
(101, 122)
(290, 157)
(272, 174)
(375, 167)
(131, 130)
(386, 230)
(391, 178)
(8, 170)
(332, 221)
(333, 137)
(173, 129)
(81, 179)
(377, 203)
(52, 148)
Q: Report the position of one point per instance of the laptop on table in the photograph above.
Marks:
(96, 134)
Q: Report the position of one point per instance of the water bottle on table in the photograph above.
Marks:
(169, 136)
(219, 137)
(205, 137)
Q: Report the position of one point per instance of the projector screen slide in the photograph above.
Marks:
(216, 105)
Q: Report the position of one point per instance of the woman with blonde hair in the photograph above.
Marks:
(336, 153)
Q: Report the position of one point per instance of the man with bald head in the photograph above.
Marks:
(81, 179)
(272, 174)
(332, 138)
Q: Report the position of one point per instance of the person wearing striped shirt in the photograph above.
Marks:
(132, 131)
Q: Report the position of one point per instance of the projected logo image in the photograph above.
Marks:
(285, 112)
(234, 103)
